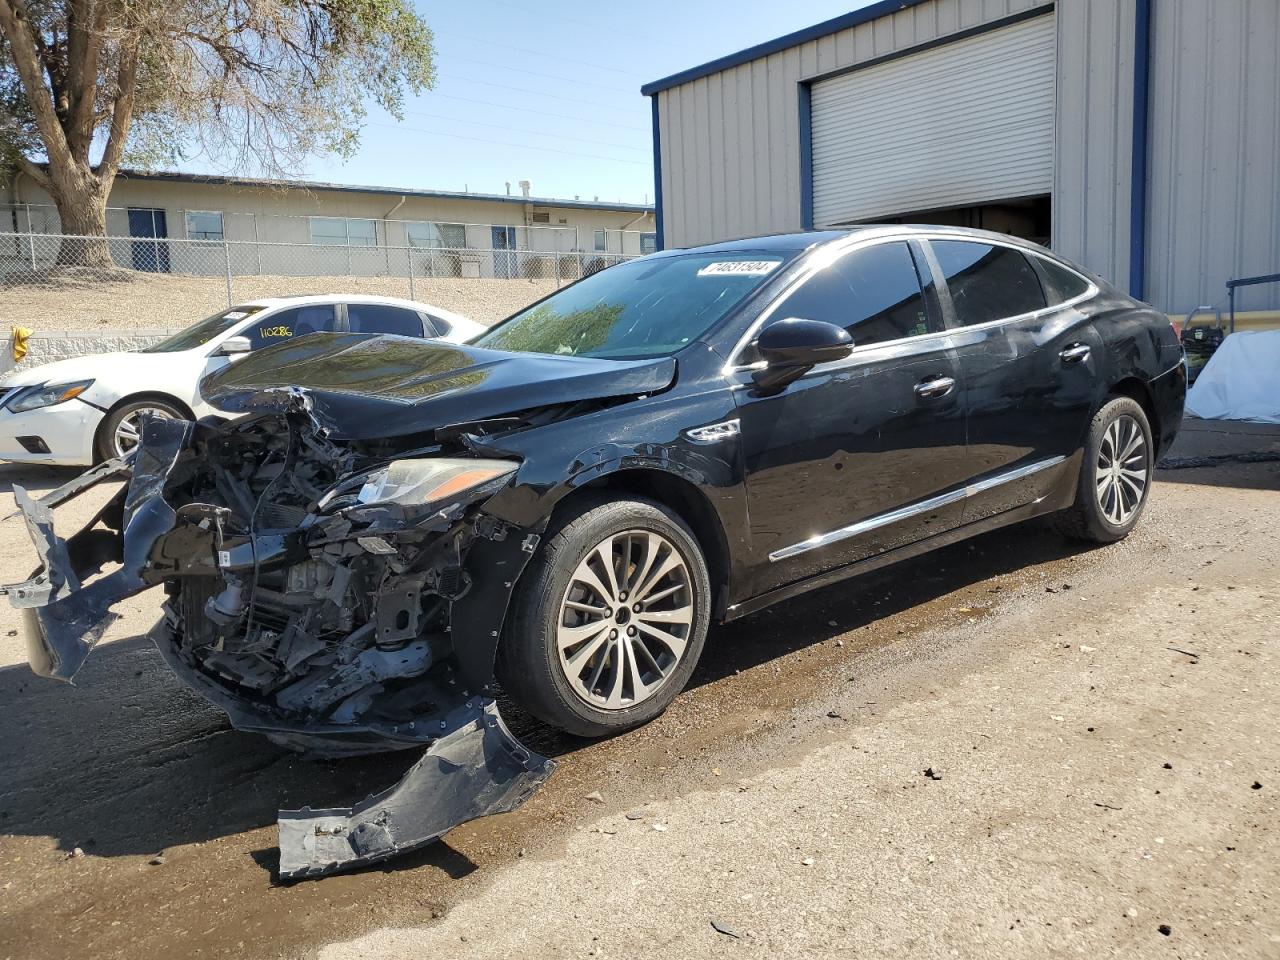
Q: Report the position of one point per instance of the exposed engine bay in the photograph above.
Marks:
(313, 590)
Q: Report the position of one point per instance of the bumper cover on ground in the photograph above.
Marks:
(476, 769)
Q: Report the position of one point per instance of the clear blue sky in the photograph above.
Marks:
(550, 92)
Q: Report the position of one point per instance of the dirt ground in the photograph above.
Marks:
(1101, 725)
(135, 300)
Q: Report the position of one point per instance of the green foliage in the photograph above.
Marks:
(247, 85)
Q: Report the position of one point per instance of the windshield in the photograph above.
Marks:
(201, 333)
(641, 308)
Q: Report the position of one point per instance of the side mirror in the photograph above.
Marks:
(794, 346)
(234, 345)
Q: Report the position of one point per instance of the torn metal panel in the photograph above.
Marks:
(476, 769)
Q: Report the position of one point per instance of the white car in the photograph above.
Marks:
(85, 409)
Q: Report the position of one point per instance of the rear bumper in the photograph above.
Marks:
(67, 429)
(1168, 397)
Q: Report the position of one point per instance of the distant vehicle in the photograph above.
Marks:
(86, 409)
(562, 506)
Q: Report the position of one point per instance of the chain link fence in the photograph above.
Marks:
(50, 278)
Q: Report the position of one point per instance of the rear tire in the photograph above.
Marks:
(596, 648)
(118, 432)
(1115, 475)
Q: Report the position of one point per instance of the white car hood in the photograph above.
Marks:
(75, 368)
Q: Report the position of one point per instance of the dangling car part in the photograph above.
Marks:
(393, 529)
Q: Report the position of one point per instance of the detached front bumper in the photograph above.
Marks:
(472, 767)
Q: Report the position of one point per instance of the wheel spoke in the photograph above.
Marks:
(586, 608)
(671, 562)
(678, 615)
(652, 544)
(639, 689)
(663, 593)
(1128, 484)
(620, 668)
(127, 429)
(585, 575)
(1136, 443)
(604, 554)
(572, 636)
(669, 640)
(586, 651)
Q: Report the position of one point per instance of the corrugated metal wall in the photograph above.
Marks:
(731, 142)
(1215, 152)
(1094, 135)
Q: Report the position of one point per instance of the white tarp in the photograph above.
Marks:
(1241, 381)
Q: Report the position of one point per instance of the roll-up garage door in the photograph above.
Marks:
(964, 123)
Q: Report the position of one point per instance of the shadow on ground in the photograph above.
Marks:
(128, 761)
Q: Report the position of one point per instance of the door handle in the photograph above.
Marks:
(934, 387)
(1076, 353)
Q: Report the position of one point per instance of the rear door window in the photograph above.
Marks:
(292, 323)
(382, 318)
(874, 293)
(987, 282)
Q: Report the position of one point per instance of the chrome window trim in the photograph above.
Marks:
(842, 249)
(911, 510)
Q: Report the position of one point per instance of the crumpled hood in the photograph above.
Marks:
(365, 387)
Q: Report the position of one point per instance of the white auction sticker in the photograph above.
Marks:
(235, 315)
(741, 268)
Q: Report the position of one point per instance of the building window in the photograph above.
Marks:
(541, 216)
(451, 236)
(601, 242)
(204, 225)
(344, 231)
(648, 243)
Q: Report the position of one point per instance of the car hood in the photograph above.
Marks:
(88, 367)
(368, 387)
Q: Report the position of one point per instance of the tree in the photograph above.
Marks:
(245, 84)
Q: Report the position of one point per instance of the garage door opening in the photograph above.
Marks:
(1028, 218)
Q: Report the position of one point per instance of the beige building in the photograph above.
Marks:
(183, 206)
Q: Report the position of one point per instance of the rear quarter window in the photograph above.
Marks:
(1061, 283)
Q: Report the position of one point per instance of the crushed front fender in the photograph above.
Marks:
(476, 769)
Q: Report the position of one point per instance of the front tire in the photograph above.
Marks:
(609, 620)
(1115, 474)
(119, 432)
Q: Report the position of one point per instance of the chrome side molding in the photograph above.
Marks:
(915, 509)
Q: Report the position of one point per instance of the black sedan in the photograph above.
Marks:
(396, 528)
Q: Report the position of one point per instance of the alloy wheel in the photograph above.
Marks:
(129, 429)
(1122, 470)
(625, 619)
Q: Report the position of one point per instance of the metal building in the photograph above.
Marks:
(1138, 137)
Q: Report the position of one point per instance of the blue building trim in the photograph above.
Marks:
(1141, 136)
(843, 22)
(806, 157)
(657, 175)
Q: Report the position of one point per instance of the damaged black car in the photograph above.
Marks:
(383, 532)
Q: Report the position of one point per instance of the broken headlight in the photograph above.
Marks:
(420, 482)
